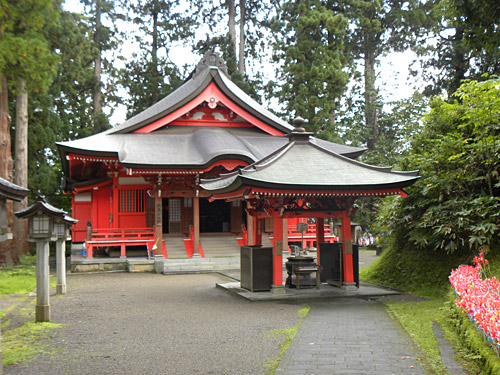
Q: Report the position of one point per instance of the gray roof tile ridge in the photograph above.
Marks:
(361, 164)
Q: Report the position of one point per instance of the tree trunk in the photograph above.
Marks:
(5, 151)
(155, 95)
(21, 167)
(370, 91)
(241, 55)
(6, 247)
(459, 61)
(97, 99)
(231, 11)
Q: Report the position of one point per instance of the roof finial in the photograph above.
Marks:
(299, 134)
(298, 123)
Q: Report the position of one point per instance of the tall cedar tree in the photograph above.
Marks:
(310, 46)
(66, 110)
(468, 44)
(27, 64)
(379, 27)
(237, 30)
(102, 16)
(151, 75)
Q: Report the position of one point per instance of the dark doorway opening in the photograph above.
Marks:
(215, 217)
(164, 213)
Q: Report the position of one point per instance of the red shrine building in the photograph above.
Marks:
(142, 180)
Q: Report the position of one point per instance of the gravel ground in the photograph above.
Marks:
(126, 323)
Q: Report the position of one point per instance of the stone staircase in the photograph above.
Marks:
(222, 253)
(197, 265)
(175, 247)
(220, 246)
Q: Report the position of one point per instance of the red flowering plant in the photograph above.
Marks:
(478, 297)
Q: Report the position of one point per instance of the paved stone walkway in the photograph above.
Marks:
(350, 336)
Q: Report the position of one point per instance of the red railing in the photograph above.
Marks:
(121, 237)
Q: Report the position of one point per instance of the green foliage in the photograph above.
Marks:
(25, 342)
(24, 51)
(65, 111)
(310, 44)
(397, 126)
(421, 272)
(20, 278)
(151, 75)
(376, 27)
(466, 46)
(455, 206)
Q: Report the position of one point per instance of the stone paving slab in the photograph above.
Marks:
(325, 291)
(350, 336)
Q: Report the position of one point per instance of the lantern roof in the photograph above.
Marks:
(304, 165)
(41, 205)
(12, 191)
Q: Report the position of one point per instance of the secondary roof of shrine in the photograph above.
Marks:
(303, 165)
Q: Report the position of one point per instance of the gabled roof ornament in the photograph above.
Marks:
(211, 58)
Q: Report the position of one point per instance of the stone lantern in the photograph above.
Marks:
(42, 220)
(61, 234)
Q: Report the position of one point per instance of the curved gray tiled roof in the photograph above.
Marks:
(12, 191)
(197, 148)
(309, 166)
(191, 147)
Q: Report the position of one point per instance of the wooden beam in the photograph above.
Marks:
(196, 226)
(158, 223)
(320, 236)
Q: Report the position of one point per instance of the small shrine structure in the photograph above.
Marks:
(139, 182)
(305, 179)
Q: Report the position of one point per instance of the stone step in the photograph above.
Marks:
(172, 266)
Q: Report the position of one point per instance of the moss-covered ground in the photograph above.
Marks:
(21, 337)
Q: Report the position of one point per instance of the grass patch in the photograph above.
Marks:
(288, 334)
(20, 278)
(417, 318)
(420, 272)
(24, 342)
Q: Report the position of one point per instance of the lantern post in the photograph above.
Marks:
(42, 218)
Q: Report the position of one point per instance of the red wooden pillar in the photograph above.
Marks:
(257, 231)
(347, 249)
(320, 236)
(196, 226)
(114, 205)
(278, 252)
(158, 224)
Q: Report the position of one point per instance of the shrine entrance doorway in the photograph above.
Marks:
(215, 217)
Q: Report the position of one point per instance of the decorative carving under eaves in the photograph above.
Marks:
(300, 206)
